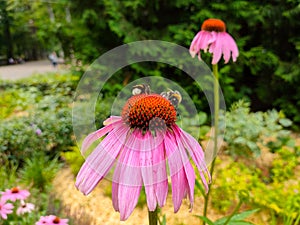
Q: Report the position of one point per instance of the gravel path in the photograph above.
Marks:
(14, 72)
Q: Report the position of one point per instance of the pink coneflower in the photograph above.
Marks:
(5, 208)
(44, 220)
(139, 143)
(15, 194)
(51, 220)
(214, 38)
(25, 208)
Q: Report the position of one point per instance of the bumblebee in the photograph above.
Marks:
(141, 89)
(173, 96)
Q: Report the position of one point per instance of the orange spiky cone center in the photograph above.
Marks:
(15, 190)
(56, 220)
(213, 25)
(149, 112)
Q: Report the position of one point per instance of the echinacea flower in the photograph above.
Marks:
(51, 220)
(25, 208)
(139, 143)
(5, 208)
(214, 38)
(15, 194)
(44, 220)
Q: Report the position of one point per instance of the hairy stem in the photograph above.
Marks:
(216, 125)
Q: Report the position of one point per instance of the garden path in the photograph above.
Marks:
(18, 71)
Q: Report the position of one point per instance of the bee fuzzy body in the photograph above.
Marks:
(173, 96)
(141, 89)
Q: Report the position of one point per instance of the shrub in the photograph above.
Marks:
(246, 130)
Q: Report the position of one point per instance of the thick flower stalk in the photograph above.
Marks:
(214, 39)
(139, 144)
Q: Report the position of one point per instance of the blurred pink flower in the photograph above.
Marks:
(25, 208)
(44, 220)
(139, 144)
(214, 38)
(5, 208)
(51, 220)
(54, 220)
(15, 194)
(38, 132)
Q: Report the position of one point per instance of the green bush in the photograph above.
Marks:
(246, 130)
(39, 170)
(47, 131)
(278, 197)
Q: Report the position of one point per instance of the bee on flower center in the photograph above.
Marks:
(173, 96)
(141, 89)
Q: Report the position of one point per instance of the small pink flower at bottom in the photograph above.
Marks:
(51, 220)
(5, 208)
(139, 145)
(25, 208)
(15, 194)
(44, 220)
(54, 220)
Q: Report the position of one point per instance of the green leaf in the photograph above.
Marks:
(243, 215)
(205, 219)
(202, 117)
(285, 122)
(237, 219)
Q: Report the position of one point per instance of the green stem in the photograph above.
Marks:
(152, 217)
(234, 212)
(216, 125)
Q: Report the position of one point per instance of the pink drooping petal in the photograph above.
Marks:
(153, 167)
(216, 48)
(195, 151)
(231, 46)
(160, 173)
(181, 171)
(127, 179)
(100, 161)
(201, 42)
(188, 169)
(147, 169)
(98, 134)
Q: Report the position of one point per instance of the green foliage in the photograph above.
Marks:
(74, 159)
(39, 119)
(266, 188)
(236, 219)
(48, 131)
(39, 170)
(246, 130)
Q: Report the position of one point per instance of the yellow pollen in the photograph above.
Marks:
(213, 25)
